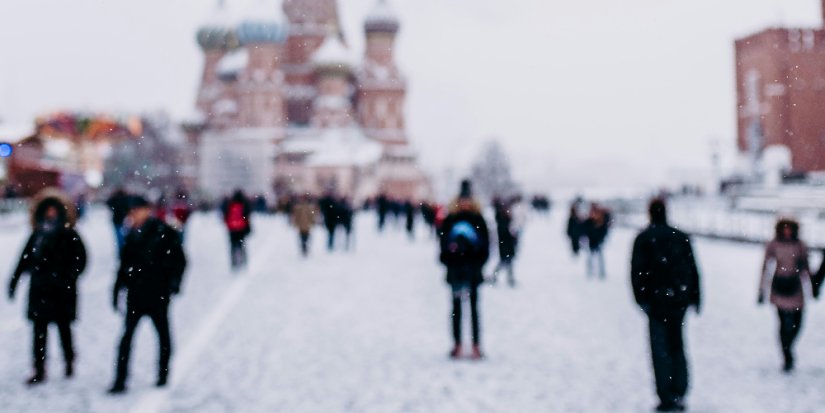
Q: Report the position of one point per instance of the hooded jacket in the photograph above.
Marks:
(54, 257)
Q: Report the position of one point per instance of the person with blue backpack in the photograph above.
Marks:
(465, 248)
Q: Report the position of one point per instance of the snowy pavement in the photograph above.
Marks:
(368, 331)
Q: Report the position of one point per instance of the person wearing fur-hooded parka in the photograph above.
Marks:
(789, 257)
(54, 257)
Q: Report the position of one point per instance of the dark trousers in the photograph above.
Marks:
(575, 245)
(668, 353)
(457, 298)
(160, 317)
(331, 231)
(790, 322)
(237, 249)
(304, 242)
(41, 332)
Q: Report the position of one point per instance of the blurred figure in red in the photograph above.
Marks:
(181, 210)
(236, 215)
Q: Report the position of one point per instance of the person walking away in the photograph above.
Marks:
(383, 206)
(574, 230)
(237, 219)
(181, 211)
(409, 212)
(304, 218)
(54, 257)
(81, 203)
(789, 256)
(506, 242)
(428, 214)
(595, 228)
(465, 248)
(151, 272)
(346, 215)
(331, 213)
(119, 204)
(665, 284)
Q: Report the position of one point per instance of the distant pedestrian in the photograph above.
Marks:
(304, 218)
(151, 271)
(665, 283)
(54, 258)
(345, 218)
(331, 214)
(409, 213)
(789, 257)
(465, 248)
(383, 207)
(181, 210)
(506, 241)
(81, 203)
(118, 203)
(574, 230)
(595, 228)
(428, 214)
(237, 212)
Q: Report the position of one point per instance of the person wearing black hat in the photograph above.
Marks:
(465, 248)
(665, 283)
(151, 271)
(54, 258)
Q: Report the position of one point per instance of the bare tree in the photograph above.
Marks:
(491, 173)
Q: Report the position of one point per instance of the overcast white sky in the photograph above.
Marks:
(581, 92)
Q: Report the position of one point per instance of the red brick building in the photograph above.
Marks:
(780, 87)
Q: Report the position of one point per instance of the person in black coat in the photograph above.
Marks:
(409, 212)
(665, 283)
(345, 217)
(332, 214)
(150, 271)
(383, 208)
(54, 257)
(465, 248)
(506, 241)
(595, 227)
(118, 203)
(574, 230)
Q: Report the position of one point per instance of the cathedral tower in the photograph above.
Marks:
(215, 37)
(310, 21)
(333, 72)
(381, 86)
(261, 90)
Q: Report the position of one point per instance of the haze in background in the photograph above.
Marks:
(582, 93)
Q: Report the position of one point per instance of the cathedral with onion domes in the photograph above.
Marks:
(284, 107)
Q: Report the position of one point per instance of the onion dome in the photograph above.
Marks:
(382, 19)
(263, 23)
(333, 57)
(216, 32)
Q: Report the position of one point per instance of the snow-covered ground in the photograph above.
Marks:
(368, 331)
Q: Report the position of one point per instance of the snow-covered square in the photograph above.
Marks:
(367, 330)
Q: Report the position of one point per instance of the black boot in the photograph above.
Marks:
(119, 387)
(38, 377)
(788, 360)
(163, 376)
(69, 368)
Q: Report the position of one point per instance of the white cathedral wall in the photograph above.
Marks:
(229, 161)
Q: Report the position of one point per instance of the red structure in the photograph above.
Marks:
(780, 85)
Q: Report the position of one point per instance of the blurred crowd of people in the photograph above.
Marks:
(149, 237)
